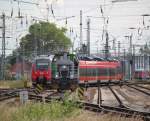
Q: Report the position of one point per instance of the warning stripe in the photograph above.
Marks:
(81, 92)
(38, 89)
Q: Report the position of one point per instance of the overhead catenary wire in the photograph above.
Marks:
(87, 12)
(21, 1)
(111, 16)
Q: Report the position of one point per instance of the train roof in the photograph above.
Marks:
(95, 58)
(64, 62)
(48, 57)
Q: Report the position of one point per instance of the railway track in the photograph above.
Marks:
(46, 95)
(124, 108)
(92, 107)
(116, 110)
(121, 109)
(113, 83)
(140, 89)
(146, 88)
(7, 95)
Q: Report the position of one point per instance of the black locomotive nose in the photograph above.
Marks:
(64, 73)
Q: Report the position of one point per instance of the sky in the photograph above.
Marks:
(121, 16)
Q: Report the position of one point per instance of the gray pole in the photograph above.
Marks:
(81, 39)
(107, 46)
(118, 49)
(17, 61)
(23, 60)
(124, 54)
(35, 40)
(131, 44)
(124, 67)
(114, 47)
(88, 37)
(3, 49)
(131, 59)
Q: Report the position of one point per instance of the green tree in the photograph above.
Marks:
(44, 37)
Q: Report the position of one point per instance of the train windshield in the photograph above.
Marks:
(42, 64)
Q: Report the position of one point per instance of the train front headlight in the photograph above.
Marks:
(71, 75)
(56, 76)
(64, 66)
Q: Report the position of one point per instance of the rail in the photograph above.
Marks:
(99, 107)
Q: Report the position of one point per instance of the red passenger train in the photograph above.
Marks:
(91, 71)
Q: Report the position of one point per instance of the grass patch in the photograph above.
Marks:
(12, 84)
(89, 116)
(39, 112)
(55, 111)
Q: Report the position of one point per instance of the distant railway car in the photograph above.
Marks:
(141, 74)
(65, 71)
(91, 71)
(41, 71)
(141, 67)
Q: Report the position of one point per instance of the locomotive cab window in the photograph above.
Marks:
(42, 64)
